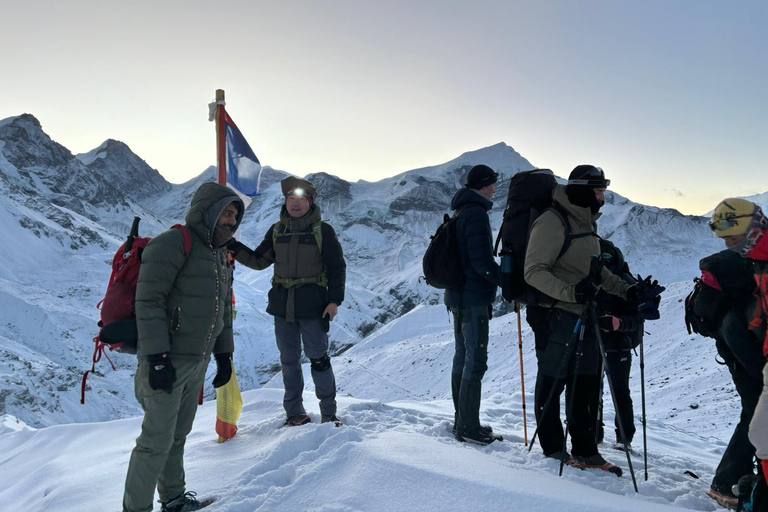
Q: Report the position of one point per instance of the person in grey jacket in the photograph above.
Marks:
(471, 305)
(566, 281)
(183, 315)
(307, 290)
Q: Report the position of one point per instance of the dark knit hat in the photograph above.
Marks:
(481, 176)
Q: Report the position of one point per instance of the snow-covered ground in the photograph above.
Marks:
(395, 451)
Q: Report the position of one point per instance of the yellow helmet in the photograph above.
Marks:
(732, 217)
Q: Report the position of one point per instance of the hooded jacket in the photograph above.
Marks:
(298, 257)
(473, 229)
(184, 304)
(759, 321)
(557, 277)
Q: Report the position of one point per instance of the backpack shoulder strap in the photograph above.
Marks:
(317, 230)
(569, 235)
(187, 238)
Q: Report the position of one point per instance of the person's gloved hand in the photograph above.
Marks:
(751, 490)
(647, 296)
(223, 369)
(585, 290)
(610, 323)
(162, 374)
(234, 246)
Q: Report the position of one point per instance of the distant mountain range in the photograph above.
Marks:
(62, 216)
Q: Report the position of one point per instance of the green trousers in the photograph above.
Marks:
(158, 458)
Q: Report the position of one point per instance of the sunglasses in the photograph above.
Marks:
(728, 222)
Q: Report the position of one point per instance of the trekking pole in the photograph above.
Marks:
(642, 395)
(599, 425)
(620, 423)
(522, 374)
(566, 357)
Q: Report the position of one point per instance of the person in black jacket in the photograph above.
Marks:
(471, 305)
(622, 330)
(307, 289)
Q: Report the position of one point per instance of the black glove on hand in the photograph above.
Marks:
(223, 369)
(585, 290)
(610, 323)
(162, 374)
(234, 246)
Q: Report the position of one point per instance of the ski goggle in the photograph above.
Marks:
(728, 222)
(594, 177)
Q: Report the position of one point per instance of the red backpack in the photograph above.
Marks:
(117, 327)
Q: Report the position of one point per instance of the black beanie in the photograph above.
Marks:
(481, 176)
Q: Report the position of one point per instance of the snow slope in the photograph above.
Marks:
(395, 451)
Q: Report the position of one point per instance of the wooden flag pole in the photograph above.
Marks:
(221, 138)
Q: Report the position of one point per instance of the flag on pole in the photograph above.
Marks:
(243, 167)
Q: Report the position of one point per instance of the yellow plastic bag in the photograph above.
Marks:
(229, 405)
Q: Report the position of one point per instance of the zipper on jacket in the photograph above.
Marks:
(215, 304)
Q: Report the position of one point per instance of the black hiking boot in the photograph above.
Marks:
(327, 418)
(297, 420)
(562, 456)
(487, 428)
(479, 436)
(186, 502)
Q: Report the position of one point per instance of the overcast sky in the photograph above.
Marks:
(669, 97)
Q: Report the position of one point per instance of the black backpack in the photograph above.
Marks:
(530, 195)
(441, 263)
(706, 305)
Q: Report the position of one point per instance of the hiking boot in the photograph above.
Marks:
(297, 420)
(327, 418)
(726, 500)
(562, 456)
(479, 436)
(621, 447)
(487, 428)
(595, 461)
(185, 502)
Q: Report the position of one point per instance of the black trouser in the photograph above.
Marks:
(581, 425)
(553, 329)
(738, 459)
(741, 351)
(619, 366)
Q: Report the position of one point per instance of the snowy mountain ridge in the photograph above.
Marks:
(64, 215)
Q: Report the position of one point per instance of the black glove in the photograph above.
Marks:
(585, 290)
(162, 374)
(223, 369)
(647, 296)
(610, 323)
(752, 491)
(234, 246)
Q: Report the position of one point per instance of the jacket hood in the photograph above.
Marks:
(581, 214)
(206, 207)
(760, 250)
(466, 196)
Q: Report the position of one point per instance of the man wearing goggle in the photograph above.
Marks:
(742, 225)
